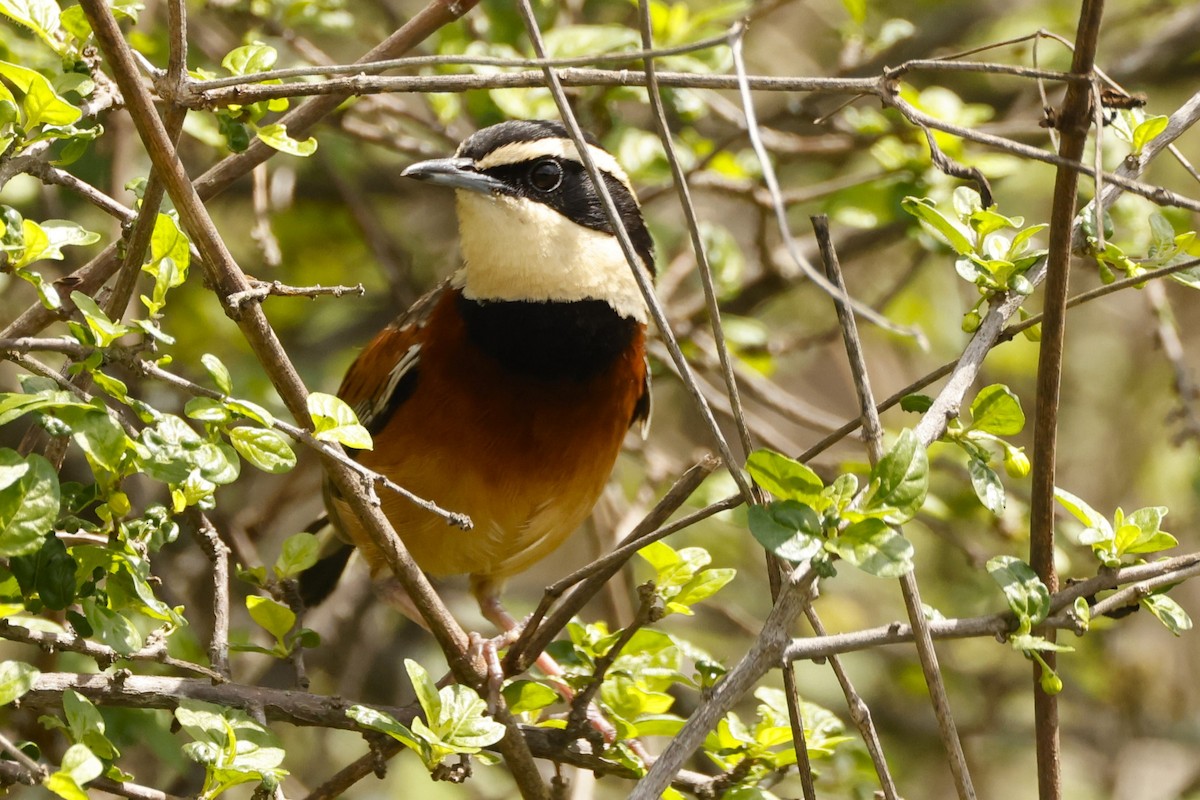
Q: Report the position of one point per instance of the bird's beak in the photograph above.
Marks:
(458, 173)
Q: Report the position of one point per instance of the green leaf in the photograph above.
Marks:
(1085, 514)
(874, 547)
(62, 233)
(987, 485)
(788, 528)
(50, 572)
(16, 678)
(86, 725)
(206, 409)
(36, 245)
(935, 222)
(251, 411)
(1083, 612)
(299, 552)
(104, 330)
(996, 410)
(99, 436)
(784, 477)
(66, 787)
(81, 764)
(900, 480)
(1147, 130)
(41, 104)
(264, 448)
(1169, 613)
(218, 372)
(112, 628)
(40, 16)
(29, 506)
(707, 583)
(425, 688)
(523, 696)
(1150, 538)
(273, 616)
(916, 403)
(12, 468)
(1027, 596)
(380, 721)
(169, 241)
(334, 421)
(250, 58)
(276, 136)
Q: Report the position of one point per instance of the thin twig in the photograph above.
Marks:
(1166, 331)
(369, 763)
(693, 226)
(218, 554)
(413, 62)
(1168, 571)
(133, 791)
(908, 582)
(261, 290)
(103, 655)
(744, 85)
(613, 216)
(650, 609)
(860, 713)
(18, 755)
(1073, 123)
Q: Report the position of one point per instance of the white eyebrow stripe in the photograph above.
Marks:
(519, 152)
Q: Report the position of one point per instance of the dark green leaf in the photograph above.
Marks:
(522, 696)
(916, 403)
(334, 421)
(218, 372)
(996, 410)
(987, 485)
(1027, 596)
(263, 448)
(1169, 613)
(900, 480)
(875, 548)
(787, 528)
(299, 552)
(276, 618)
(784, 477)
(16, 678)
(28, 507)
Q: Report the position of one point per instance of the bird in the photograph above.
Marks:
(506, 394)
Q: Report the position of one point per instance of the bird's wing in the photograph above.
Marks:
(385, 373)
(644, 407)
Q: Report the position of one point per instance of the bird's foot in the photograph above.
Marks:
(489, 652)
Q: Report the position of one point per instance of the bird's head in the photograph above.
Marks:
(532, 225)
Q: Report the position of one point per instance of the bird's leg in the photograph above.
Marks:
(487, 592)
(392, 593)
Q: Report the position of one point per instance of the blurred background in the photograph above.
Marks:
(1129, 423)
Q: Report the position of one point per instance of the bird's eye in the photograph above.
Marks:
(546, 175)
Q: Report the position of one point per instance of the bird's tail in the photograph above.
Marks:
(318, 581)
